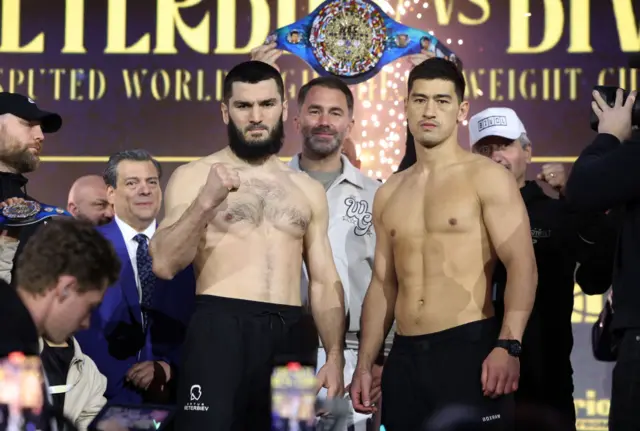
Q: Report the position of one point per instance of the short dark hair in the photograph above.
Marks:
(439, 68)
(67, 246)
(409, 158)
(251, 72)
(110, 174)
(327, 82)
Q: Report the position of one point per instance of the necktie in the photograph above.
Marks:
(145, 275)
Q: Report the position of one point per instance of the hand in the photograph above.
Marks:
(376, 386)
(142, 374)
(331, 378)
(614, 120)
(11, 232)
(220, 182)
(267, 54)
(416, 59)
(554, 175)
(361, 389)
(500, 373)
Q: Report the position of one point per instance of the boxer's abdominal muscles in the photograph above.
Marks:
(253, 248)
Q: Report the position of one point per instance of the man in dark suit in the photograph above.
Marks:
(136, 334)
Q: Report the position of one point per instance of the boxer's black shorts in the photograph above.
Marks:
(428, 373)
(230, 350)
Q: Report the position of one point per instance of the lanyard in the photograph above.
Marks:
(59, 389)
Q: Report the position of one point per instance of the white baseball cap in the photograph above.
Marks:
(503, 122)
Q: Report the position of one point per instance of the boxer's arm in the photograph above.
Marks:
(505, 217)
(174, 245)
(325, 288)
(379, 302)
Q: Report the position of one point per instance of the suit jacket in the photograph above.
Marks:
(115, 339)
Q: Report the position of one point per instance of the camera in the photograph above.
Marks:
(609, 95)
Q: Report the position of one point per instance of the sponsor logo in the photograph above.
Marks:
(592, 412)
(496, 120)
(358, 214)
(195, 393)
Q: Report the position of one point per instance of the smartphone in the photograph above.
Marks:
(293, 398)
(133, 417)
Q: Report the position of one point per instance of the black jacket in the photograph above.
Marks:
(15, 186)
(606, 176)
(23, 336)
(561, 238)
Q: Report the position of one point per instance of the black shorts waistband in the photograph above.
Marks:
(220, 304)
(473, 331)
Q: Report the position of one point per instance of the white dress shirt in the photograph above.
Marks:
(128, 233)
(352, 237)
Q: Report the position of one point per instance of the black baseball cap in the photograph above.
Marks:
(25, 108)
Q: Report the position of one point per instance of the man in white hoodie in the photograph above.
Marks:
(75, 383)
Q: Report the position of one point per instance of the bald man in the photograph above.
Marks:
(88, 200)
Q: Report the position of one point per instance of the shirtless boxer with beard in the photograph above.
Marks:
(441, 226)
(246, 220)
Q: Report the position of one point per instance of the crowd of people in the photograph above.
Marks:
(449, 286)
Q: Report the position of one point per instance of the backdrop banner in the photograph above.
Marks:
(149, 73)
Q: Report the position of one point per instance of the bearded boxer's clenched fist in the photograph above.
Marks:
(220, 182)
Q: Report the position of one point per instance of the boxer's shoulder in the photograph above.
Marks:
(306, 184)
(485, 173)
(392, 184)
(190, 173)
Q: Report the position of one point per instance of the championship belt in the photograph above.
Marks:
(28, 212)
(354, 40)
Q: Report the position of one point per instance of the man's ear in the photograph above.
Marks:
(111, 195)
(225, 113)
(527, 153)
(285, 110)
(65, 286)
(73, 209)
(463, 111)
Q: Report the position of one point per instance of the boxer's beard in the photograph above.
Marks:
(253, 150)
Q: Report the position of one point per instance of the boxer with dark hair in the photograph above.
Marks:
(441, 226)
(246, 221)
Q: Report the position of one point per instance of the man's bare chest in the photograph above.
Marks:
(259, 201)
(432, 210)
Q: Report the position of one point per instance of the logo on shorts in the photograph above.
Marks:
(196, 392)
(496, 120)
(490, 418)
(358, 214)
(194, 395)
